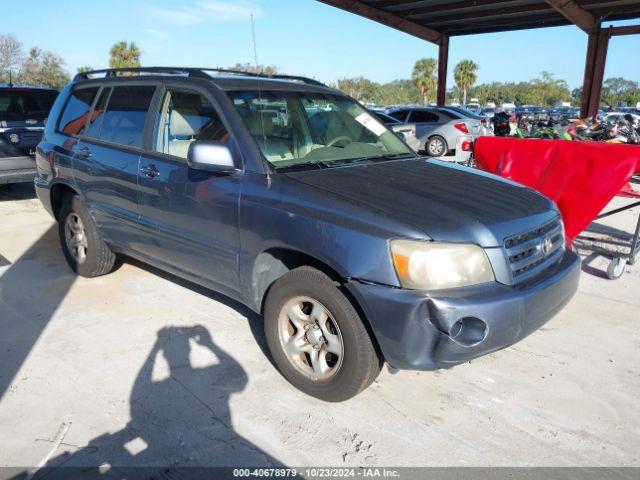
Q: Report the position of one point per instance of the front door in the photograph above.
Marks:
(188, 218)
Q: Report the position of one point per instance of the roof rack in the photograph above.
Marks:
(191, 72)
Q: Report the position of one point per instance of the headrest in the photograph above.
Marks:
(184, 123)
(261, 123)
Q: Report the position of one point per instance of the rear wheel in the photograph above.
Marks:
(86, 252)
(316, 337)
(436, 146)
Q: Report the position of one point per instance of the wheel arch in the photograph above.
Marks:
(273, 263)
(58, 192)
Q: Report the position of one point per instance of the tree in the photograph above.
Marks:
(10, 55)
(424, 76)
(124, 55)
(84, 69)
(261, 69)
(43, 68)
(465, 75)
(360, 88)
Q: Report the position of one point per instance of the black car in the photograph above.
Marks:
(23, 111)
(294, 200)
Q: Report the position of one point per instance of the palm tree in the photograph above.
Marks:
(124, 55)
(465, 76)
(424, 76)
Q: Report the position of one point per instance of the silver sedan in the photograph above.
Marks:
(438, 128)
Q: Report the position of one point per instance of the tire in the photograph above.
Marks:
(98, 259)
(616, 268)
(436, 146)
(350, 372)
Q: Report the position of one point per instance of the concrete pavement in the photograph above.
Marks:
(140, 368)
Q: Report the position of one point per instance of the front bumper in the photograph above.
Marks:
(415, 330)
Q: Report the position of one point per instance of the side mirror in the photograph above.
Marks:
(210, 156)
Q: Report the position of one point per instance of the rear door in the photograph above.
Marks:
(426, 121)
(106, 163)
(189, 218)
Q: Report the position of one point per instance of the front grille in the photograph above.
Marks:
(532, 252)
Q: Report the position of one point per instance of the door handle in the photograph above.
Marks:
(150, 171)
(85, 152)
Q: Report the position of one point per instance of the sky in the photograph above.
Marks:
(302, 37)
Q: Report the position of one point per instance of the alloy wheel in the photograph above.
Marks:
(76, 238)
(310, 338)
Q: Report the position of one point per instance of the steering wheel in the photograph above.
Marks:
(337, 139)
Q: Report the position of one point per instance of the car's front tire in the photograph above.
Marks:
(86, 252)
(317, 338)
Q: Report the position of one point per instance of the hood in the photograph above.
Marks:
(447, 202)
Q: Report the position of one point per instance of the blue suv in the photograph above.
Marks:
(293, 199)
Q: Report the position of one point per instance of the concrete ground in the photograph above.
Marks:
(140, 368)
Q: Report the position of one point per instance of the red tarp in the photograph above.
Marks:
(581, 177)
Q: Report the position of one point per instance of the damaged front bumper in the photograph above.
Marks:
(426, 331)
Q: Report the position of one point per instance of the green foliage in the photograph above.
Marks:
(43, 68)
(425, 77)
(617, 90)
(465, 75)
(85, 69)
(124, 55)
(249, 68)
(360, 88)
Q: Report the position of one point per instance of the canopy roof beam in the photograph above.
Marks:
(386, 18)
(575, 14)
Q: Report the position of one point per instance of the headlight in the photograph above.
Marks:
(433, 266)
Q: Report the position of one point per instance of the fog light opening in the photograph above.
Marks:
(468, 331)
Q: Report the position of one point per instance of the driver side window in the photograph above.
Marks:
(186, 116)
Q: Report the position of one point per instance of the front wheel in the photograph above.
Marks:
(316, 337)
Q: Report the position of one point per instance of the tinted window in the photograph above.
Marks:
(383, 117)
(399, 115)
(186, 117)
(76, 111)
(126, 112)
(97, 116)
(23, 104)
(419, 116)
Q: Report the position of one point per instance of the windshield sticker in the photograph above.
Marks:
(371, 124)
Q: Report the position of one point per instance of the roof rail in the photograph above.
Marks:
(191, 72)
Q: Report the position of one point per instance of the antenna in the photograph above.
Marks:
(255, 48)
(255, 59)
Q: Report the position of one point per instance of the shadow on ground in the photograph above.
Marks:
(31, 290)
(180, 419)
(180, 414)
(17, 191)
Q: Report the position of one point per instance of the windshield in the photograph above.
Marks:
(297, 129)
(25, 104)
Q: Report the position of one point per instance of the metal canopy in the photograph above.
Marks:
(437, 20)
(457, 17)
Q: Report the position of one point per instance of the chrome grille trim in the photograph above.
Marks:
(525, 252)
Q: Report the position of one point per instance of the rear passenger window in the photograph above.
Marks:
(400, 115)
(423, 116)
(97, 116)
(76, 111)
(185, 117)
(123, 121)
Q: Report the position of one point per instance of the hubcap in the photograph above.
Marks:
(436, 147)
(310, 338)
(76, 238)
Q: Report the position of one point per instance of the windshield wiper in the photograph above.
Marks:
(320, 164)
